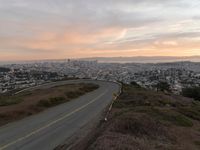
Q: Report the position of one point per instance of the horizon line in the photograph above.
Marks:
(73, 58)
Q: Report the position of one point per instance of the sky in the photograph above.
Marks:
(57, 29)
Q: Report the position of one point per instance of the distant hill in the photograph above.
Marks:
(143, 59)
(135, 59)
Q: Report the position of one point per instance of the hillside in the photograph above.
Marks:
(144, 59)
(147, 120)
(27, 103)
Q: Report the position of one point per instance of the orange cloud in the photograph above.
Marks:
(73, 44)
(56, 40)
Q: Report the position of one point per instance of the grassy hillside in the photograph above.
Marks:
(15, 107)
(147, 120)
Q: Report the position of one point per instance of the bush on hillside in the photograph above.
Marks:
(193, 92)
(163, 86)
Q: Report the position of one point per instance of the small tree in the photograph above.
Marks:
(193, 92)
(133, 83)
(163, 86)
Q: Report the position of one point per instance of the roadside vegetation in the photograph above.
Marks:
(15, 107)
(146, 120)
(193, 92)
(6, 100)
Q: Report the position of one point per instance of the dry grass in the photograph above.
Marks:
(28, 103)
(147, 120)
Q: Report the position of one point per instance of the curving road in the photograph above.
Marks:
(50, 128)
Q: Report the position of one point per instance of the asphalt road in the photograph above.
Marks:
(50, 128)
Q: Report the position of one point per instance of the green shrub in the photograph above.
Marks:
(190, 112)
(73, 95)
(197, 143)
(163, 86)
(173, 117)
(193, 92)
(9, 100)
(135, 84)
(89, 88)
(51, 102)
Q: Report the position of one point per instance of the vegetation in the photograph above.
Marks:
(135, 84)
(6, 100)
(147, 120)
(68, 95)
(173, 117)
(191, 111)
(14, 107)
(163, 86)
(197, 143)
(193, 92)
(51, 102)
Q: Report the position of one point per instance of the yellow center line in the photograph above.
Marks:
(52, 123)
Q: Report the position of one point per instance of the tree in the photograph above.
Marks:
(163, 86)
(133, 83)
(193, 92)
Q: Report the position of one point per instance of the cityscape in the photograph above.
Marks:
(178, 75)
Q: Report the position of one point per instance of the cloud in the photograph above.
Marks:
(96, 27)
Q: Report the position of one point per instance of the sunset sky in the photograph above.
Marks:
(54, 29)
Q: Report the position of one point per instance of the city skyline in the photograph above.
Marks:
(35, 30)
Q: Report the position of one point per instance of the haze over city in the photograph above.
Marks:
(35, 30)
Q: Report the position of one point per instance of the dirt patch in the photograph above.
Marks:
(31, 102)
